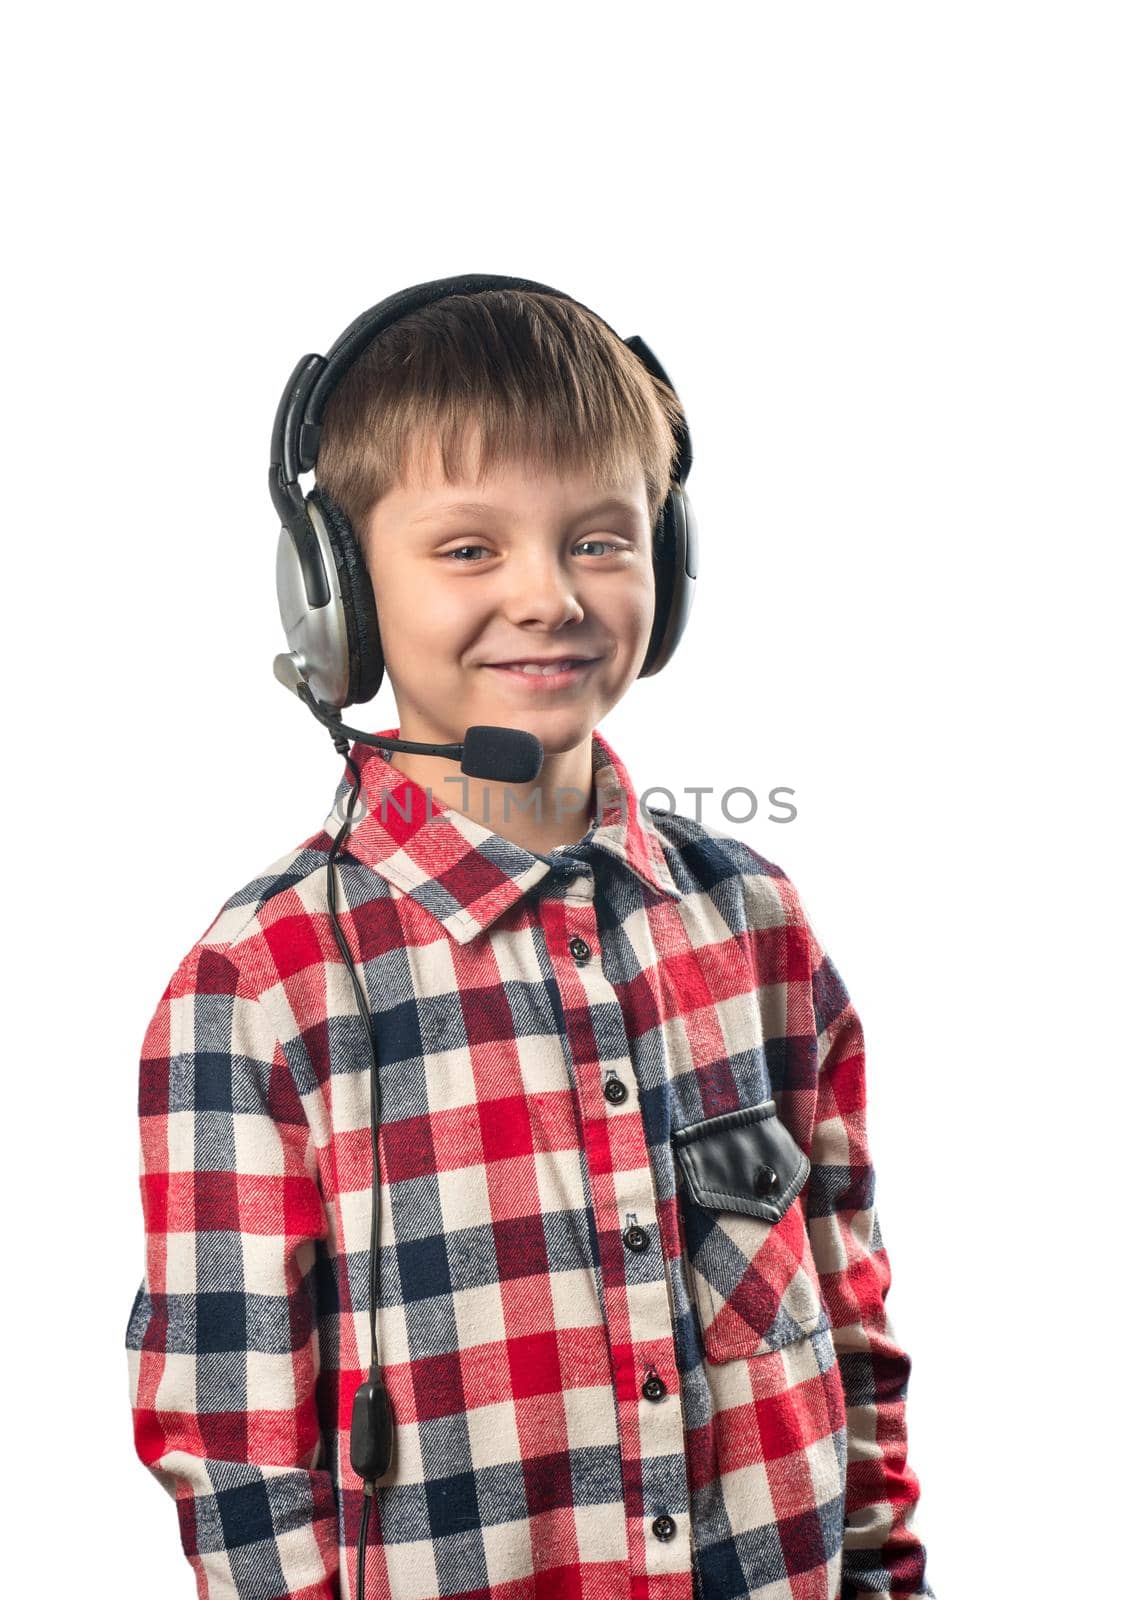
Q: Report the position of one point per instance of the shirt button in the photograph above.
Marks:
(615, 1090)
(765, 1180)
(654, 1387)
(664, 1527)
(579, 949)
(636, 1238)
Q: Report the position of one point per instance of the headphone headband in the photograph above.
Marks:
(301, 413)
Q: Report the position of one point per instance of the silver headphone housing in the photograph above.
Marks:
(317, 635)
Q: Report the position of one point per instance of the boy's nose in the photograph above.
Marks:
(540, 591)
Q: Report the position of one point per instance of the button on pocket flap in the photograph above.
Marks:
(744, 1160)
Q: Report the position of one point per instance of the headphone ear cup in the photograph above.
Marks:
(675, 561)
(365, 652)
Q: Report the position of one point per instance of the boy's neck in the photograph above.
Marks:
(565, 808)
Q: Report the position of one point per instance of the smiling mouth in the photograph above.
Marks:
(554, 672)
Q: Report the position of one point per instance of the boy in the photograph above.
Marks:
(631, 1284)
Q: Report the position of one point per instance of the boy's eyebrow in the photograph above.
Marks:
(480, 508)
(462, 508)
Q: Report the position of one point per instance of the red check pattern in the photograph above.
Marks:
(603, 1390)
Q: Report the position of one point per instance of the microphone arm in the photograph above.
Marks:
(499, 755)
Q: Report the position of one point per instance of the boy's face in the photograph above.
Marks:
(468, 576)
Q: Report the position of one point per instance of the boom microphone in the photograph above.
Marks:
(498, 755)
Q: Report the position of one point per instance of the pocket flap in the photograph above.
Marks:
(744, 1160)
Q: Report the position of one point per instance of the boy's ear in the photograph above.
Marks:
(357, 597)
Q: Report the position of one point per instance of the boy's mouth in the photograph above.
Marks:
(553, 674)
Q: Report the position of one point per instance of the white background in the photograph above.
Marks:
(878, 247)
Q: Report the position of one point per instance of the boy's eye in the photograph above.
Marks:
(457, 552)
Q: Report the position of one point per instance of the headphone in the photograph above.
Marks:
(324, 590)
(335, 658)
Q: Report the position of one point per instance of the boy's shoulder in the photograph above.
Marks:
(704, 858)
(266, 915)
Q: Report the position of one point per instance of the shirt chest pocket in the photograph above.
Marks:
(748, 1258)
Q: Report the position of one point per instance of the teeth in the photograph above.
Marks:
(543, 672)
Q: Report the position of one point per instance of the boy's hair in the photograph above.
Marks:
(544, 379)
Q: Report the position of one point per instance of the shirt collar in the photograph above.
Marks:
(459, 869)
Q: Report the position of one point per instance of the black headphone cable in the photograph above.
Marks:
(499, 753)
(372, 1418)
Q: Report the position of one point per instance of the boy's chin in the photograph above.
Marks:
(558, 728)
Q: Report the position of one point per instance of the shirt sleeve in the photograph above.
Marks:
(883, 1557)
(222, 1339)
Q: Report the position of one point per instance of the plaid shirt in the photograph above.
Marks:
(632, 1317)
